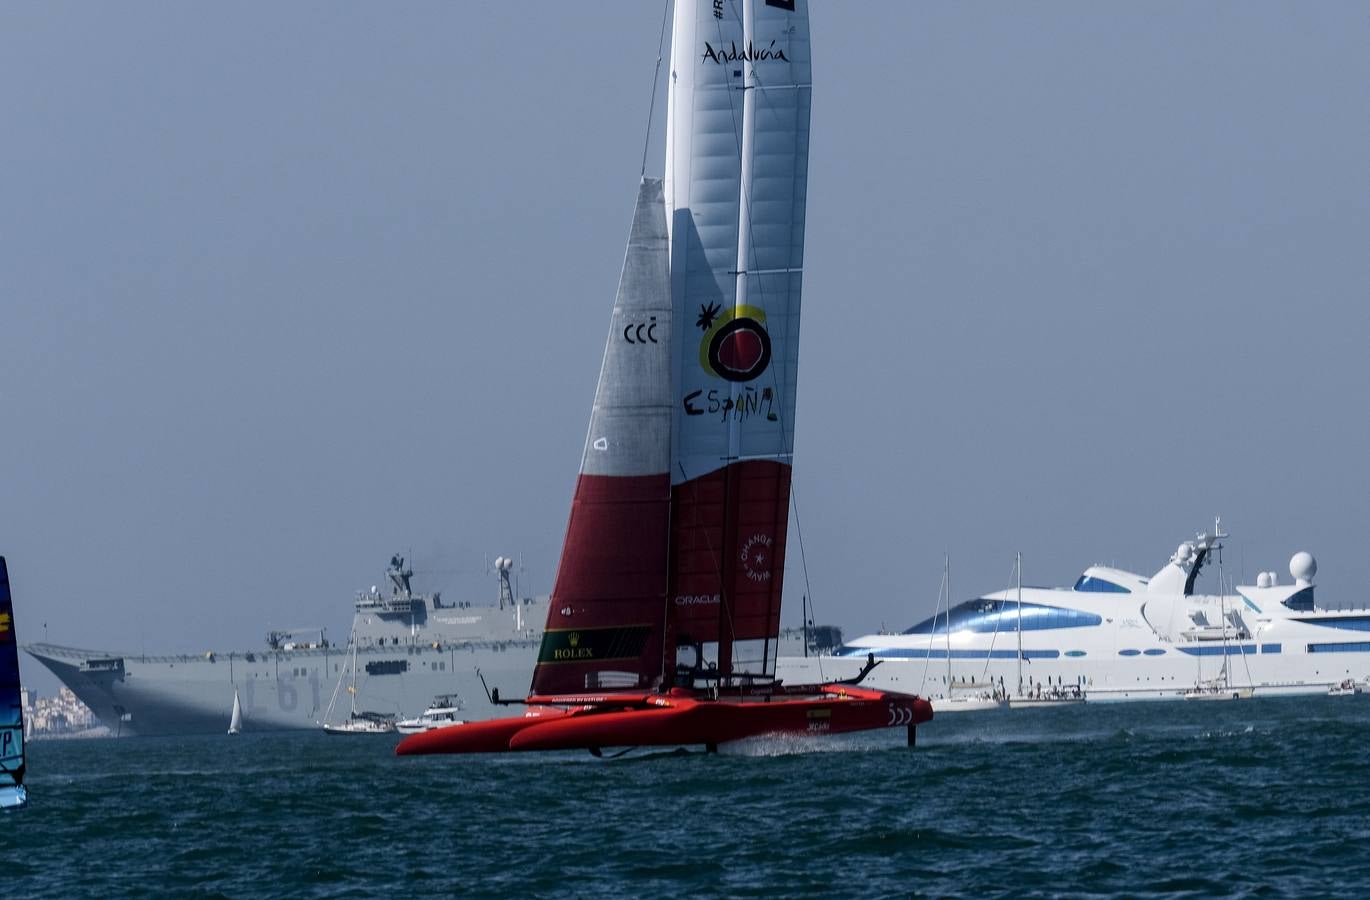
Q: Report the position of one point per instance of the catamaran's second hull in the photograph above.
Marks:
(674, 720)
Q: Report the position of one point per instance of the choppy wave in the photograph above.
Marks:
(1253, 798)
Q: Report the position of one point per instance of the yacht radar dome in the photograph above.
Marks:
(1184, 551)
(1303, 567)
(1263, 580)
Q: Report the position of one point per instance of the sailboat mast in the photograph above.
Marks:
(353, 689)
(1018, 570)
(726, 631)
(946, 586)
(1222, 611)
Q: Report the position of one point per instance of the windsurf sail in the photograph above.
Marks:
(12, 791)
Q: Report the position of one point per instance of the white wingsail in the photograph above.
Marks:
(736, 184)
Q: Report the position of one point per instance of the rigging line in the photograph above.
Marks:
(651, 107)
(1255, 646)
(804, 565)
(993, 637)
(927, 658)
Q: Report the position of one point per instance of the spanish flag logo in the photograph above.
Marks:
(5, 619)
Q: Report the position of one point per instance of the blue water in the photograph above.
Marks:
(1261, 798)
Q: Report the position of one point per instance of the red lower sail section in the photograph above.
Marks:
(608, 602)
(673, 720)
(728, 546)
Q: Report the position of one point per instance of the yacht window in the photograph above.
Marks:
(984, 616)
(1301, 601)
(1357, 647)
(1095, 585)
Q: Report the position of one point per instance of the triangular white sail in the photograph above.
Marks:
(606, 617)
(235, 721)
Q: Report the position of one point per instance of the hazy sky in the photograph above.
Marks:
(285, 288)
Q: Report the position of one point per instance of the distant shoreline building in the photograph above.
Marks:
(61, 716)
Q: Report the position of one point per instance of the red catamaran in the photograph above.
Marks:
(664, 618)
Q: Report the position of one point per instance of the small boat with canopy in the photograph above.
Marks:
(664, 619)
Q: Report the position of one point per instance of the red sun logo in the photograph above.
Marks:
(736, 346)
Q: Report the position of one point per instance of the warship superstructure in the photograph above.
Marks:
(410, 647)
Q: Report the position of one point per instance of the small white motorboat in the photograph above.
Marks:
(443, 711)
(1347, 688)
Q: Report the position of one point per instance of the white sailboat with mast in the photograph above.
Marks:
(235, 719)
(1033, 695)
(358, 721)
(973, 698)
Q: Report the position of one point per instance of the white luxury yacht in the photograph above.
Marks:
(1116, 635)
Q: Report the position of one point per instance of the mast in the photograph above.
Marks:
(1222, 606)
(1018, 570)
(352, 688)
(946, 586)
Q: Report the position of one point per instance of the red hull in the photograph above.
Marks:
(652, 721)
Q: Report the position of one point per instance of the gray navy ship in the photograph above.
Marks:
(410, 648)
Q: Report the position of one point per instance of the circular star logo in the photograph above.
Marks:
(735, 346)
